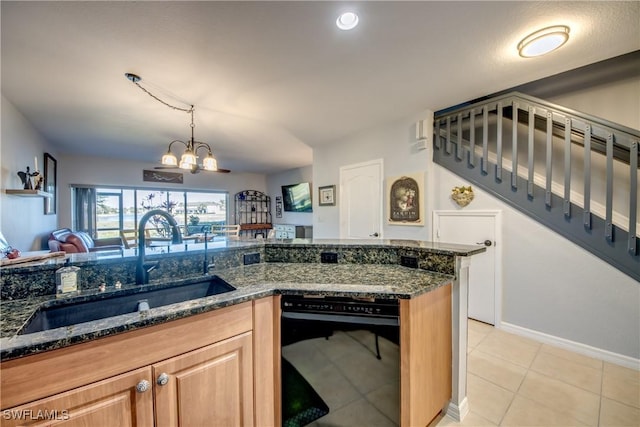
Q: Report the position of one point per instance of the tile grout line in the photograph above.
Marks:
(517, 392)
(601, 393)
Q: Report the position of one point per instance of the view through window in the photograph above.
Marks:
(119, 210)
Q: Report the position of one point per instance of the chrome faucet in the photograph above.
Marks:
(143, 268)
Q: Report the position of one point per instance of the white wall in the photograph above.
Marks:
(24, 223)
(395, 144)
(122, 173)
(616, 101)
(274, 189)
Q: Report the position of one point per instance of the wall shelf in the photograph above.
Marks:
(29, 193)
(265, 226)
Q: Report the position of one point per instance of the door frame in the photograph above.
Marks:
(497, 244)
(343, 213)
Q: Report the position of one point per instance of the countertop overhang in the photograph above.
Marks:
(107, 257)
(251, 282)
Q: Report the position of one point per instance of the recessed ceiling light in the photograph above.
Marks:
(543, 41)
(347, 21)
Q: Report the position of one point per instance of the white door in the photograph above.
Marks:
(361, 200)
(475, 228)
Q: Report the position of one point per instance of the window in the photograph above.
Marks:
(105, 211)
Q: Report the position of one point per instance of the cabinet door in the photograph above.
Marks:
(111, 402)
(211, 386)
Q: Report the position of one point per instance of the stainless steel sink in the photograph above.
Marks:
(54, 315)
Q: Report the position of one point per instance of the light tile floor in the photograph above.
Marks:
(515, 381)
(512, 381)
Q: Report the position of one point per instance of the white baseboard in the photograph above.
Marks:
(458, 412)
(587, 350)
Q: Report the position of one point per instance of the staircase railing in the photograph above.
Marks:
(514, 145)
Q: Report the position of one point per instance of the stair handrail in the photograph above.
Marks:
(595, 134)
(542, 107)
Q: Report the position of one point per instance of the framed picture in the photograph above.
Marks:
(327, 195)
(405, 204)
(164, 177)
(278, 207)
(50, 183)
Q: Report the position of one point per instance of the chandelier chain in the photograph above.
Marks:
(186, 110)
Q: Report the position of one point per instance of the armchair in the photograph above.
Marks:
(78, 241)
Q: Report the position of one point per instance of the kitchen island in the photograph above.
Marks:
(364, 268)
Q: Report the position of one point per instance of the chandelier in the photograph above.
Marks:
(189, 158)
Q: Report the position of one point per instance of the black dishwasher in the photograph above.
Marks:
(306, 317)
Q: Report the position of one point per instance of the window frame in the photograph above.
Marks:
(114, 190)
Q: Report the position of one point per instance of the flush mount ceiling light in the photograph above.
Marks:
(347, 21)
(543, 41)
(189, 158)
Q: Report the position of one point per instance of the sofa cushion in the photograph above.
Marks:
(80, 240)
(60, 234)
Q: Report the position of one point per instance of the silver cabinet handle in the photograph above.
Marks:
(374, 234)
(143, 386)
(162, 379)
(486, 243)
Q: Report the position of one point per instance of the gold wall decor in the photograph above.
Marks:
(462, 195)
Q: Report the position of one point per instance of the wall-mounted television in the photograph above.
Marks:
(297, 197)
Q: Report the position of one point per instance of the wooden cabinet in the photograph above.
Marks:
(425, 356)
(210, 386)
(216, 368)
(111, 402)
(210, 375)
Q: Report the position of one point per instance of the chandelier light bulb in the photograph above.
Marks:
(210, 163)
(169, 159)
(188, 158)
(543, 41)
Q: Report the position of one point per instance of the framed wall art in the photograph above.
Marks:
(278, 206)
(161, 176)
(327, 195)
(50, 184)
(405, 202)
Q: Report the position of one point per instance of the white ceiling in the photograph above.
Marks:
(271, 80)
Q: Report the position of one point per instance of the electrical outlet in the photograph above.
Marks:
(328, 257)
(251, 258)
(409, 261)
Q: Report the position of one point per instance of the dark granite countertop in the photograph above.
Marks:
(433, 247)
(251, 282)
(115, 257)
